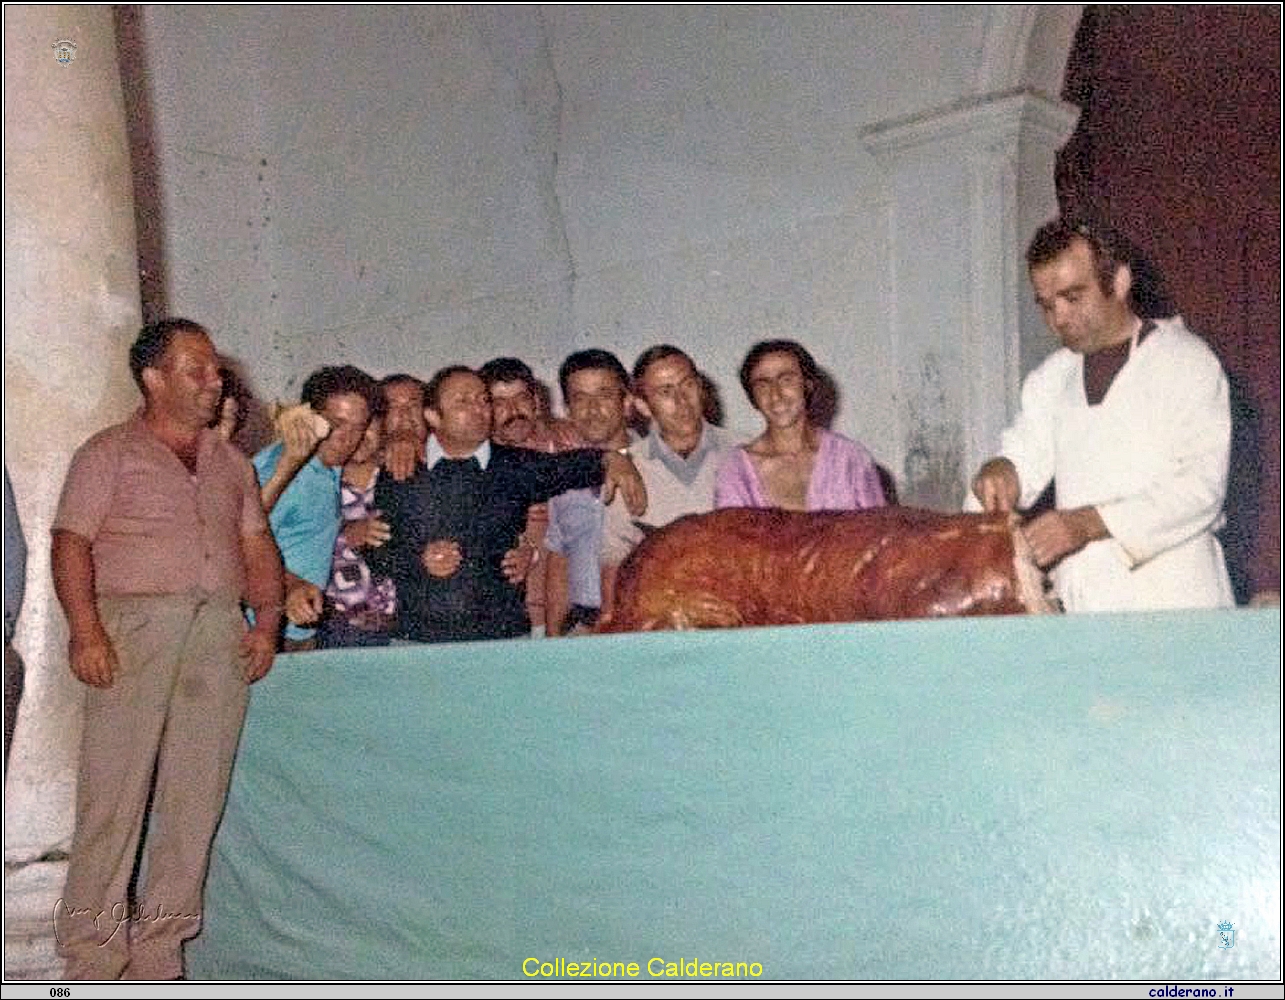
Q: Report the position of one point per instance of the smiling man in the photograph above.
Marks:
(301, 489)
(519, 420)
(678, 459)
(1131, 420)
(794, 464)
(595, 388)
(159, 536)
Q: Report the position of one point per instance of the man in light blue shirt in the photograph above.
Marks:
(595, 387)
(300, 478)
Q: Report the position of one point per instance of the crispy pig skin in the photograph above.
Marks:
(741, 566)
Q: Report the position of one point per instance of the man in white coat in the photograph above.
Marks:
(1131, 421)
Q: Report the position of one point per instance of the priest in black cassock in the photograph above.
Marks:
(465, 506)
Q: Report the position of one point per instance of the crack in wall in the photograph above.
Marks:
(546, 51)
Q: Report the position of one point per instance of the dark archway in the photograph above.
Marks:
(1178, 144)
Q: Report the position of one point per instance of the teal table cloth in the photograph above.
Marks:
(1064, 797)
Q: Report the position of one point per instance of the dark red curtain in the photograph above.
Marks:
(1178, 145)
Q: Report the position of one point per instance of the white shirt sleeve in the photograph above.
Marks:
(1185, 498)
(1029, 443)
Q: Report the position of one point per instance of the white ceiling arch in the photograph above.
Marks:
(1026, 47)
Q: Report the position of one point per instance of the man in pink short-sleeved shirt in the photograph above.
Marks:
(159, 536)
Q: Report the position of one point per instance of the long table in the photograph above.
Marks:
(1009, 798)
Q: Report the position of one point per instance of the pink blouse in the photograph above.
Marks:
(844, 477)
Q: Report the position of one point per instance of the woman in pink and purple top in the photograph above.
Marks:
(793, 464)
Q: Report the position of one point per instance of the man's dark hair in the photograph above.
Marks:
(807, 364)
(591, 359)
(508, 370)
(335, 380)
(1111, 249)
(658, 353)
(399, 378)
(153, 341)
(433, 390)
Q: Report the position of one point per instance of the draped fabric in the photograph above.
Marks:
(1023, 797)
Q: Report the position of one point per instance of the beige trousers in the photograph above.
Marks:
(174, 714)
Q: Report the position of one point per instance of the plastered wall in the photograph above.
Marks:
(406, 187)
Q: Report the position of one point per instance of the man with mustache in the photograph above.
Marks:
(521, 421)
(519, 416)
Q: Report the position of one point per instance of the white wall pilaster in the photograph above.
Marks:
(965, 188)
(71, 309)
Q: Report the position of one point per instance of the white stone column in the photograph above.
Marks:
(966, 187)
(71, 308)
